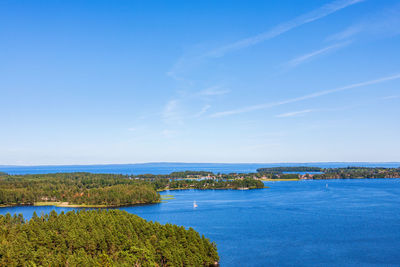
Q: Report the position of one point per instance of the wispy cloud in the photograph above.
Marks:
(171, 114)
(202, 111)
(192, 59)
(168, 133)
(347, 33)
(382, 23)
(305, 97)
(214, 91)
(190, 104)
(314, 15)
(184, 63)
(294, 113)
(390, 97)
(304, 58)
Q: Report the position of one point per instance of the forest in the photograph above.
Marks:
(358, 172)
(76, 188)
(100, 238)
(329, 173)
(104, 190)
(245, 183)
(82, 189)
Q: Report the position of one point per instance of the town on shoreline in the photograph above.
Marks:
(284, 174)
(91, 190)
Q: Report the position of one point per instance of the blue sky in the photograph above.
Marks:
(199, 81)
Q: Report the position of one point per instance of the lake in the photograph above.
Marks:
(297, 223)
(168, 167)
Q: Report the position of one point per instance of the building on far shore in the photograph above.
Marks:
(306, 176)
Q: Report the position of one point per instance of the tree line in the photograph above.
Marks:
(247, 183)
(103, 189)
(100, 238)
(358, 172)
(330, 173)
(76, 188)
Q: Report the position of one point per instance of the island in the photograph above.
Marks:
(90, 190)
(100, 238)
(83, 189)
(306, 172)
(75, 190)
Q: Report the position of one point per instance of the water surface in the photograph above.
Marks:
(168, 167)
(348, 223)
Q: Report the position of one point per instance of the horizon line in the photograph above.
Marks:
(181, 162)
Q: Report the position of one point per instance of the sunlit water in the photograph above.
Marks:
(167, 167)
(348, 223)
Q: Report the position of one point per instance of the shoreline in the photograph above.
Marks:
(67, 205)
(279, 180)
(245, 188)
(358, 178)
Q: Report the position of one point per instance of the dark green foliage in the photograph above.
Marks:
(358, 172)
(196, 175)
(248, 183)
(289, 176)
(100, 238)
(108, 189)
(331, 173)
(76, 188)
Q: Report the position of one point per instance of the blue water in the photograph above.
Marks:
(166, 168)
(297, 223)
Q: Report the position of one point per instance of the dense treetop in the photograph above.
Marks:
(245, 183)
(87, 189)
(100, 238)
(75, 188)
(358, 172)
(329, 173)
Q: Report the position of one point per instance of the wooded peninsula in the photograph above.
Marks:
(100, 238)
(105, 190)
(83, 189)
(306, 172)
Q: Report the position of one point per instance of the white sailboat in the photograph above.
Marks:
(194, 204)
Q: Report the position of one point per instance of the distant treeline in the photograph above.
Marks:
(89, 189)
(197, 174)
(277, 170)
(176, 175)
(358, 172)
(247, 183)
(330, 173)
(100, 238)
